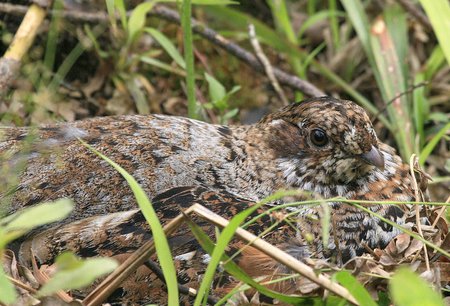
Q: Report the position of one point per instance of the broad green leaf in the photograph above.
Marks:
(161, 244)
(40, 214)
(216, 89)
(408, 289)
(68, 261)
(355, 288)
(136, 22)
(168, 46)
(7, 292)
(76, 276)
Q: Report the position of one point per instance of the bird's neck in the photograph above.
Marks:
(371, 183)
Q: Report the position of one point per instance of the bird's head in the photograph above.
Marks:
(323, 140)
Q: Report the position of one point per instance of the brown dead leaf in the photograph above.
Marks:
(402, 242)
(415, 246)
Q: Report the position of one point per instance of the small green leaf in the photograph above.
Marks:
(137, 19)
(230, 114)
(75, 276)
(216, 90)
(168, 46)
(408, 289)
(7, 292)
(355, 288)
(68, 261)
(40, 214)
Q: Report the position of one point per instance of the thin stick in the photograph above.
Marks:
(22, 285)
(412, 162)
(441, 211)
(138, 258)
(24, 37)
(266, 63)
(277, 254)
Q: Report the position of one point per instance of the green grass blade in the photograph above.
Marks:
(66, 65)
(358, 17)
(52, 38)
(394, 224)
(426, 151)
(232, 268)
(334, 24)
(420, 109)
(168, 46)
(189, 59)
(439, 13)
(392, 83)
(222, 242)
(162, 65)
(434, 63)
(161, 243)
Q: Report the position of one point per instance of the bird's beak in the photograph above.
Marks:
(374, 157)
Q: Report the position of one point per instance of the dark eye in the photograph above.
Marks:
(318, 137)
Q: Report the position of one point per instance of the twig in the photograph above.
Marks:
(24, 37)
(409, 90)
(141, 255)
(22, 285)
(266, 63)
(412, 162)
(242, 54)
(207, 33)
(278, 255)
(441, 211)
(416, 13)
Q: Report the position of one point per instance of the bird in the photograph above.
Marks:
(322, 146)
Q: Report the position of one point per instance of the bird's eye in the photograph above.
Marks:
(318, 137)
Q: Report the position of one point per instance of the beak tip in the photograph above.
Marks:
(374, 157)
